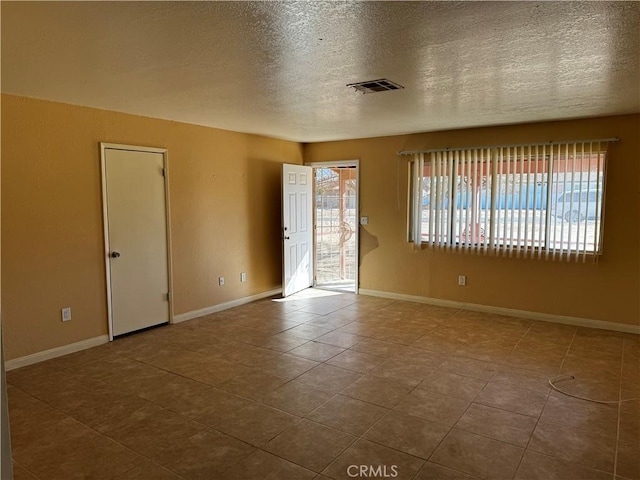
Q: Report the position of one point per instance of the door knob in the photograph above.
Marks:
(286, 238)
(115, 254)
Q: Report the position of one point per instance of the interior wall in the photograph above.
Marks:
(608, 290)
(225, 216)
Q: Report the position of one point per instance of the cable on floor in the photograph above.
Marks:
(560, 378)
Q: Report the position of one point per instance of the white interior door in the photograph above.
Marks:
(297, 228)
(135, 238)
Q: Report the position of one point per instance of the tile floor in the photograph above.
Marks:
(309, 387)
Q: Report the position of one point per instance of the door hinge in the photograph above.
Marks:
(168, 296)
(163, 173)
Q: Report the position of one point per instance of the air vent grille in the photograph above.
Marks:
(373, 86)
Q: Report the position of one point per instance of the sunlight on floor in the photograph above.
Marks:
(308, 293)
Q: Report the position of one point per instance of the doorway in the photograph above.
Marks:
(335, 188)
(136, 229)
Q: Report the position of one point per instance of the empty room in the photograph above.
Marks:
(320, 240)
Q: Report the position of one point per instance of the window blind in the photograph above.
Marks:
(539, 200)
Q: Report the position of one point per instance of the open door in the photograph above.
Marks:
(336, 225)
(297, 228)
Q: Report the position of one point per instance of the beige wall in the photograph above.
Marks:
(606, 291)
(225, 214)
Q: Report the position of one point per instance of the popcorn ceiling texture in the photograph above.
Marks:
(280, 68)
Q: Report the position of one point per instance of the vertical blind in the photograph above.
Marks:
(540, 200)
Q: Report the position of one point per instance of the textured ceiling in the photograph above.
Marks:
(281, 68)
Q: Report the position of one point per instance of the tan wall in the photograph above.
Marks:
(606, 291)
(225, 214)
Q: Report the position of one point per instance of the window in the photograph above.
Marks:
(544, 201)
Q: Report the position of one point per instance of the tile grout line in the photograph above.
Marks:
(547, 396)
(615, 457)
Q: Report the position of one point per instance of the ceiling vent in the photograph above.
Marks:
(373, 86)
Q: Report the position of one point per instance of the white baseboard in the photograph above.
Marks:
(544, 317)
(55, 352)
(183, 317)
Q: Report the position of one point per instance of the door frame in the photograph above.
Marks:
(339, 163)
(105, 220)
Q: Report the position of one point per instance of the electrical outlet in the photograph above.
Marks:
(66, 314)
(243, 277)
(221, 281)
(462, 280)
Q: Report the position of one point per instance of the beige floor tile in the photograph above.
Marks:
(210, 407)
(158, 393)
(107, 366)
(630, 421)
(210, 370)
(203, 456)
(148, 471)
(628, 464)
(328, 378)
(69, 450)
(151, 434)
(379, 347)
(498, 424)
(32, 439)
(316, 351)
(28, 417)
(470, 368)
(527, 379)
(356, 361)
(433, 407)
(478, 456)
(536, 466)
(113, 424)
(404, 337)
(385, 392)
(597, 340)
(433, 471)
(555, 333)
(308, 332)
(512, 398)
(574, 445)
(413, 374)
(256, 424)
(453, 385)
(288, 366)
(421, 357)
(247, 355)
(339, 339)
(542, 361)
(592, 417)
(591, 385)
(261, 465)
(283, 342)
(156, 385)
(296, 398)
(408, 434)
(254, 385)
(388, 463)
(21, 473)
(310, 445)
(347, 414)
(77, 359)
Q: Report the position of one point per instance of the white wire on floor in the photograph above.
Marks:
(571, 377)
